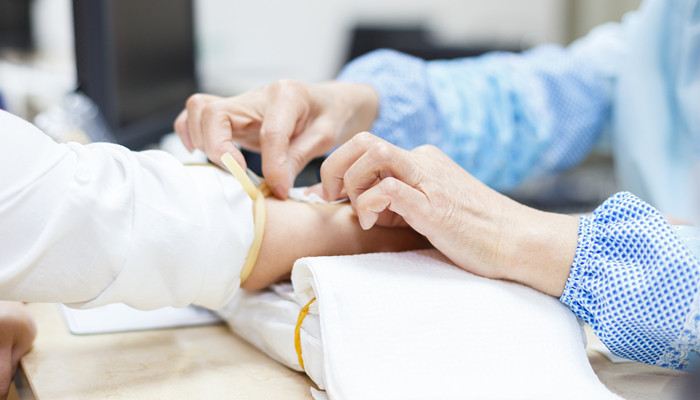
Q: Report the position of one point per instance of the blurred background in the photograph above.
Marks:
(245, 44)
(120, 70)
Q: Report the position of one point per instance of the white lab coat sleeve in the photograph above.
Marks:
(97, 224)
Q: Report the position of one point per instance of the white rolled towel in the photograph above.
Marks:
(413, 326)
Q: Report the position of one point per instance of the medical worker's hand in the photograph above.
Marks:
(17, 332)
(479, 229)
(289, 122)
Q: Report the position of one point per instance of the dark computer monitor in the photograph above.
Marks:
(417, 41)
(135, 60)
(15, 28)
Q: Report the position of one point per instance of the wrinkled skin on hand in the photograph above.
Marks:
(479, 229)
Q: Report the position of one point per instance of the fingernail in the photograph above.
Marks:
(365, 221)
(279, 191)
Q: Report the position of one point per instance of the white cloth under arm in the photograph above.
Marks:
(97, 224)
(414, 326)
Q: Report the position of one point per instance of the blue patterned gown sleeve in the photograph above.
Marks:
(636, 280)
(503, 117)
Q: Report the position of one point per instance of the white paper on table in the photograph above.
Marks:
(121, 318)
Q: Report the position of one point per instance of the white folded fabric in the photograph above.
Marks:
(413, 326)
(267, 319)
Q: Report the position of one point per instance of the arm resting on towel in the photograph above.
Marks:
(319, 230)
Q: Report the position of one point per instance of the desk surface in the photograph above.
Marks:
(186, 363)
(212, 363)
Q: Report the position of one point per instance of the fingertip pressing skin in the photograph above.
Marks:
(274, 168)
(367, 219)
(286, 112)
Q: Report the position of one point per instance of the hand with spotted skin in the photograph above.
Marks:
(479, 229)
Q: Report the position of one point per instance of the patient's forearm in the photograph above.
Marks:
(294, 230)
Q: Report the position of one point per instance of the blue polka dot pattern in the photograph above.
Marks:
(503, 117)
(636, 281)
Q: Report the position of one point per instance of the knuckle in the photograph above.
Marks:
(426, 149)
(196, 101)
(213, 109)
(392, 186)
(285, 85)
(382, 153)
(365, 138)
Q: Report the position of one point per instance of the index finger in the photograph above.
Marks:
(218, 136)
(337, 164)
(276, 131)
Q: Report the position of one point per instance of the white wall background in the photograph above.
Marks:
(243, 44)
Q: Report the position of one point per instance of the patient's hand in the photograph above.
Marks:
(17, 332)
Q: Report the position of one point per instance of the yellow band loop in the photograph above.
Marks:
(297, 331)
(237, 171)
(258, 195)
(254, 251)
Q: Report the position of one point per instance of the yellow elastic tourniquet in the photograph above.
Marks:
(297, 331)
(258, 195)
